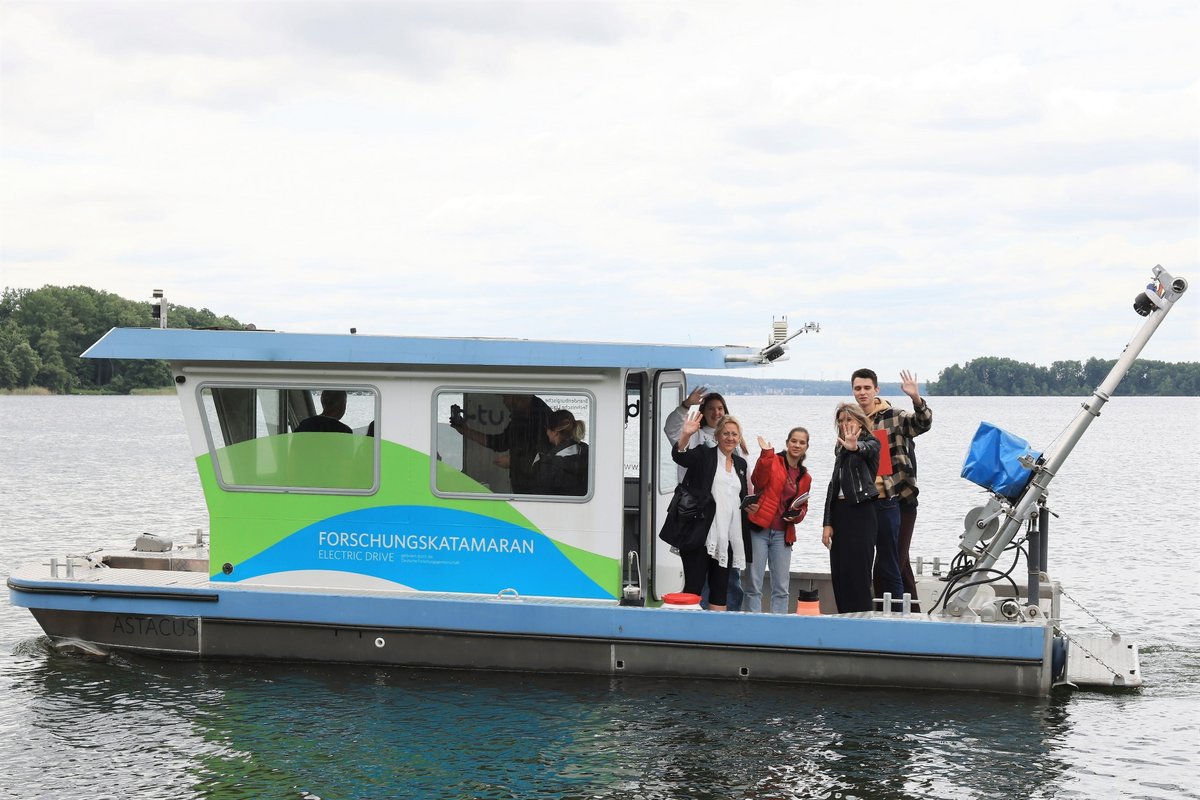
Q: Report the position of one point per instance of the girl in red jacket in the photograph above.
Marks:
(782, 484)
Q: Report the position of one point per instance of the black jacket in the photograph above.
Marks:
(701, 464)
(523, 438)
(853, 474)
(562, 469)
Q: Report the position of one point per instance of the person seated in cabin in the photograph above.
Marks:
(522, 439)
(333, 408)
(562, 468)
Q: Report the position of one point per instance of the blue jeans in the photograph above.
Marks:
(769, 549)
(734, 594)
(887, 548)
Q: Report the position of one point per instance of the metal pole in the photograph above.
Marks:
(1156, 307)
(1044, 539)
(1034, 586)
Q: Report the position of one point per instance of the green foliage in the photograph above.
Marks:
(43, 332)
(1003, 376)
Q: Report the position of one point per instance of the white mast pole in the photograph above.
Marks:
(1154, 306)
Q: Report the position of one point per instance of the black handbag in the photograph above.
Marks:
(688, 503)
(686, 526)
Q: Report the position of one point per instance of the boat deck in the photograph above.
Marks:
(189, 581)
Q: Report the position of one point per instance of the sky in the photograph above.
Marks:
(930, 182)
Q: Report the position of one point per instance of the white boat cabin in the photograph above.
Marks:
(437, 486)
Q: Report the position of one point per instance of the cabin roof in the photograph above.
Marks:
(197, 346)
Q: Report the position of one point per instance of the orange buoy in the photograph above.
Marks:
(808, 603)
(681, 600)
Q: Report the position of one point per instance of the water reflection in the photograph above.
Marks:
(176, 730)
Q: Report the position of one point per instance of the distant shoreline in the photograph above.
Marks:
(42, 391)
(739, 388)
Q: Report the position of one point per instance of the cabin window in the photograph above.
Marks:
(513, 443)
(670, 398)
(289, 438)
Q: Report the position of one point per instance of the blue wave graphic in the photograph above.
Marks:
(429, 549)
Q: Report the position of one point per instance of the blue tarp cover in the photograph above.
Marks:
(993, 461)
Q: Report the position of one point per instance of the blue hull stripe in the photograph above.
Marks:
(891, 635)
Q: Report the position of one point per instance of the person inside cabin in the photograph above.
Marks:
(720, 472)
(782, 483)
(520, 441)
(849, 525)
(712, 408)
(333, 408)
(563, 467)
(898, 486)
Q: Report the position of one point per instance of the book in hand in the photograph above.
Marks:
(795, 510)
(750, 500)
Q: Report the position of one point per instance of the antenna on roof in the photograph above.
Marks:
(776, 348)
(158, 310)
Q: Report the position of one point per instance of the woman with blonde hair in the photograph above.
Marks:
(562, 467)
(848, 527)
(721, 473)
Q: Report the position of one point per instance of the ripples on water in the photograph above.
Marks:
(132, 728)
(159, 729)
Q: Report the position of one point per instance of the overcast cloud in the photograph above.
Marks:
(931, 182)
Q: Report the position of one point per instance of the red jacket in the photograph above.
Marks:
(769, 478)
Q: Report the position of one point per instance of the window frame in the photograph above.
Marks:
(462, 390)
(666, 470)
(288, 385)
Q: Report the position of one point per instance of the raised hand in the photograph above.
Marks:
(764, 444)
(908, 385)
(691, 424)
(849, 437)
(695, 396)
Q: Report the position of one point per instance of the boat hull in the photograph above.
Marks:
(194, 619)
(197, 637)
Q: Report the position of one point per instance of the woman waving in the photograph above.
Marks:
(721, 472)
(849, 524)
(782, 484)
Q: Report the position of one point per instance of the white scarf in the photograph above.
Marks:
(726, 528)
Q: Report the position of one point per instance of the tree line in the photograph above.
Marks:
(43, 331)
(1004, 376)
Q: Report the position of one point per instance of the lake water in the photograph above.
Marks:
(80, 472)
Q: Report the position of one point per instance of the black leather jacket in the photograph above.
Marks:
(853, 474)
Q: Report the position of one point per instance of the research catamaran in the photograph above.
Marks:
(419, 539)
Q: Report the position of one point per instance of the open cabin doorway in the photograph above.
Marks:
(650, 476)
